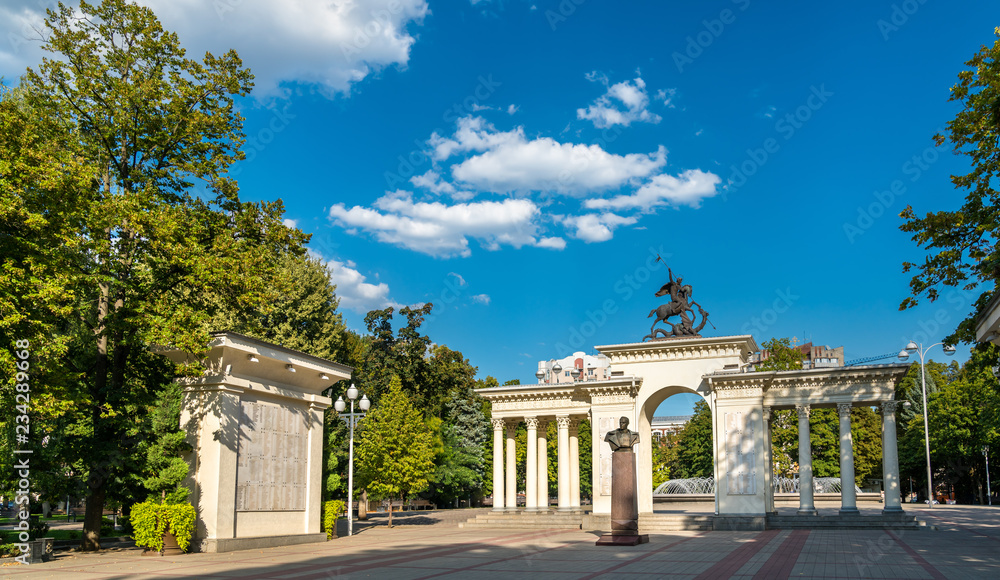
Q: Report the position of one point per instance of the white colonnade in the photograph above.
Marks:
(536, 492)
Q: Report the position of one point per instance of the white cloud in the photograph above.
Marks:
(443, 230)
(666, 96)
(482, 298)
(354, 292)
(329, 44)
(688, 188)
(512, 109)
(289, 223)
(507, 161)
(552, 243)
(623, 103)
(597, 227)
(431, 181)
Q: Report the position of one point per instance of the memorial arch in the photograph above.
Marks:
(641, 376)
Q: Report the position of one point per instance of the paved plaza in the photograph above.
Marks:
(966, 544)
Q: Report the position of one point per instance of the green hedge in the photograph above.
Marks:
(150, 520)
(331, 511)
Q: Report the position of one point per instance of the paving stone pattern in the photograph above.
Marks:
(964, 542)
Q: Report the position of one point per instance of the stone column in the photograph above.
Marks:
(543, 465)
(531, 466)
(890, 460)
(848, 497)
(574, 465)
(563, 465)
(498, 495)
(806, 505)
(769, 462)
(511, 487)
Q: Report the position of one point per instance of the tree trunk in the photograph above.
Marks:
(363, 505)
(390, 512)
(91, 539)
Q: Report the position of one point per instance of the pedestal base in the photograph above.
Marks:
(613, 540)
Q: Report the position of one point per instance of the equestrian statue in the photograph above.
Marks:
(680, 305)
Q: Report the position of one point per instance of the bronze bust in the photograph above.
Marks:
(622, 439)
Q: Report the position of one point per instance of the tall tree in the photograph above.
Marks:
(395, 453)
(963, 245)
(695, 456)
(148, 255)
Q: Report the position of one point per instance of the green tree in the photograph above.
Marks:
(149, 262)
(665, 461)
(963, 243)
(395, 454)
(694, 454)
(165, 468)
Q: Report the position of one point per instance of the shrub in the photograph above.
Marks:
(9, 550)
(37, 529)
(108, 527)
(331, 511)
(151, 520)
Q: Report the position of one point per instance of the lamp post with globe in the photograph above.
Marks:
(352, 419)
(904, 354)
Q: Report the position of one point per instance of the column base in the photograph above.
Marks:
(535, 510)
(893, 511)
(808, 512)
(566, 509)
(849, 512)
(620, 540)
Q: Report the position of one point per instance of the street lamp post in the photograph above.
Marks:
(352, 419)
(989, 493)
(904, 354)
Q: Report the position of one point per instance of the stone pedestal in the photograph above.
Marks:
(624, 503)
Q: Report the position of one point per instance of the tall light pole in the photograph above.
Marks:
(352, 418)
(989, 494)
(904, 354)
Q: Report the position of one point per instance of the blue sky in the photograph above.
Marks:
(519, 164)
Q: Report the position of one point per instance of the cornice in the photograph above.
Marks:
(740, 346)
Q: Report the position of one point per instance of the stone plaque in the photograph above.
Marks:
(271, 460)
(740, 455)
(605, 425)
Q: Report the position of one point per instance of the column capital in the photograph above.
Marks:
(543, 424)
(511, 427)
(767, 413)
(573, 423)
(498, 424)
(803, 411)
(889, 408)
(563, 422)
(531, 422)
(844, 410)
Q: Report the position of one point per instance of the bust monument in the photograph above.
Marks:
(624, 499)
(621, 439)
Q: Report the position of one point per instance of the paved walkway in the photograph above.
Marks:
(966, 545)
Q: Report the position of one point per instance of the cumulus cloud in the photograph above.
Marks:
(507, 161)
(354, 292)
(622, 104)
(597, 227)
(688, 188)
(482, 298)
(443, 230)
(331, 45)
(290, 223)
(666, 96)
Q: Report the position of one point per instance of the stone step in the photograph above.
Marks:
(518, 525)
(845, 522)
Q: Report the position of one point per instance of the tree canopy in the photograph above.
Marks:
(963, 244)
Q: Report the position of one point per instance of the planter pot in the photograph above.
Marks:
(41, 550)
(170, 547)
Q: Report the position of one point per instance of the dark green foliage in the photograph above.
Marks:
(694, 445)
(165, 468)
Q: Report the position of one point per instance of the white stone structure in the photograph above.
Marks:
(255, 422)
(646, 373)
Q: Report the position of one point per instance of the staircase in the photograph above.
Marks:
(839, 522)
(525, 520)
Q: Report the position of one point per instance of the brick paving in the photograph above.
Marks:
(964, 544)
